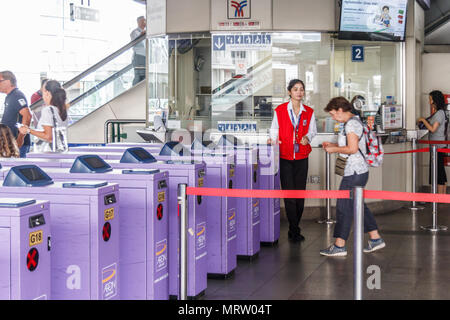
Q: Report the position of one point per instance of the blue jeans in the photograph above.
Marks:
(24, 150)
(344, 208)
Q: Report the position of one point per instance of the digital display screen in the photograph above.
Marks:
(32, 174)
(95, 162)
(373, 19)
(142, 154)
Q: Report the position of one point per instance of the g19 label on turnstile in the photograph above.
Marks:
(36, 238)
(109, 214)
(200, 182)
(32, 259)
(161, 196)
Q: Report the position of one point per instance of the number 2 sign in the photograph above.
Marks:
(357, 53)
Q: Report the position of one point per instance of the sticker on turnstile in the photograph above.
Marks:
(231, 222)
(161, 255)
(32, 259)
(200, 182)
(36, 238)
(109, 281)
(109, 214)
(161, 196)
(106, 232)
(201, 235)
(255, 212)
(232, 172)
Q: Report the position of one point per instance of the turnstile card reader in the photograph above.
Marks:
(24, 249)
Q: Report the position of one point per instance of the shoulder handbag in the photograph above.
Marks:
(59, 140)
(341, 161)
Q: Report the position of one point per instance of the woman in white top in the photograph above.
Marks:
(54, 114)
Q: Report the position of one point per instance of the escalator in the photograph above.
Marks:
(103, 92)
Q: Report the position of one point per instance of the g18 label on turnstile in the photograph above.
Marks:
(109, 214)
(36, 238)
(161, 196)
(200, 182)
(106, 231)
(32, 259)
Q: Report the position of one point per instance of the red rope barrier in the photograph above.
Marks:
(243, 193)
(318, 194)
(433, 142)
(411, 151)
(443, 150)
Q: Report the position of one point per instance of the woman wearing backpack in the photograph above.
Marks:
(352, 165)
(437, 124)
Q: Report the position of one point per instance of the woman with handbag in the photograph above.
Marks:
(52, 125)
(353, 168)
(437, 124)
(293, 127)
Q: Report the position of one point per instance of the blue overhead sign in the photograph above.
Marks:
(249, 41)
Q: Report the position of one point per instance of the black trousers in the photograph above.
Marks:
(441, 175)
(293, 176)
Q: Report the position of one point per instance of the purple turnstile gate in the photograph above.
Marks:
(24, 249)
(247, 209)
(85, 232)
(193, 174)
(144, 228)
(269, 179)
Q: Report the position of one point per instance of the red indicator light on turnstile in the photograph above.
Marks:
(32, 259)
(106, 231)
(159, 211)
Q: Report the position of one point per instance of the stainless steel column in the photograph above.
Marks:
(182, 202)
(414, 208)
(328, 219)
(358, 216)
(434, 227)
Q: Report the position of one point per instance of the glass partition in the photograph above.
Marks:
(240, 78)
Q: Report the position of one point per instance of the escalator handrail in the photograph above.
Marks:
(95, 67)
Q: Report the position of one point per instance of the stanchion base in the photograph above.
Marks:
(435, 229)
(327, 221)
(415, 208)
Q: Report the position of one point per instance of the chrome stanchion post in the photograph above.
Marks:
(182, 202)
(328, 219)
(414, 208)
(434, 227)
(358, 216)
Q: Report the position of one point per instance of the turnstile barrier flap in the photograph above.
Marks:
(85, 184)
(174, 148)
(27, 176)
(140, 171)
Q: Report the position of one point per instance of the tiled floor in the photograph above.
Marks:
(414, 265)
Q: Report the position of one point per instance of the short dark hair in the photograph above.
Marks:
(293, 82)
(338, 103)
(438, 99)
(8, 75)
(385, 7)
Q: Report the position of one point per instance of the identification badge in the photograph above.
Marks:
(296, 148)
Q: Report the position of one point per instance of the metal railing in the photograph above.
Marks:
(116, 131)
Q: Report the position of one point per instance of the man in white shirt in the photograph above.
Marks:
(139, 51)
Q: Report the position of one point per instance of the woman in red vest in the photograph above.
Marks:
(293, 127)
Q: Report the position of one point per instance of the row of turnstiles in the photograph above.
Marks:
(103, 222)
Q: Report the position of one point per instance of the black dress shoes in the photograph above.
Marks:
(295, 237)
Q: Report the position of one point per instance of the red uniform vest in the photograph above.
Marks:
(286, 132)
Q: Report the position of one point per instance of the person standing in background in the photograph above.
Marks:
(38, 94)
(293, 128)
(16, 110)
(437, 124)
(139, 51)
